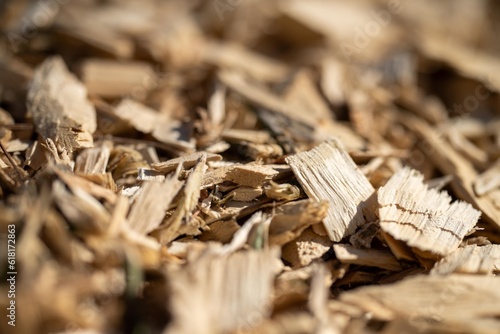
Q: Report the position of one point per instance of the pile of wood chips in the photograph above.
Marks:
(251, 166)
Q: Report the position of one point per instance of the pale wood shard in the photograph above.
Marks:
(226, 55)
(423, 218)
(302, 94)
(216, 176)
(318, 298)
(366, 257)
(85, 213)
(60, 108)
(488, 180)
(332, 74)
(461, 301)
(251, 175)
(141, 117)
(94, 160)
(80, 184)
(252, 136)
(292, 218)
(112, 79)
(217, 105)
(59, 156)
(104, 180)
(440, 182)
(450, 162)
(151, 204)
(16, 145)
(187, 161)
(305, 249)
(147, 120)
(328, 173)
(470, 259)
(183, 221)
(222, 291)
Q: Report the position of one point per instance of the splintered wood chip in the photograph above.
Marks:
(223, 292)
(292, 218)
(153, 200)
(470, 259)
(60, 108)
(423, 218)
(459, 301)
(183, 220)
(327, 172)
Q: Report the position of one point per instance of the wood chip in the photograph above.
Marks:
(147, 120)
(488, 180)
(61, 111)
(111, 79)
(183, 221)
(471, 259)
(223, 292)
(302, 94)
(260, 67)
(460, 301)
(251, 175)
(423, 218)
(293, 218)
(328, 173)
(94, 160)
(187, 161)
(151, 204)
(308, 247)
(366, 257)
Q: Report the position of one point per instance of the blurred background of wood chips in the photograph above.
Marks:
(250, 166)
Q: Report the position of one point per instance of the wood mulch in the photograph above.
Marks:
(250, 166)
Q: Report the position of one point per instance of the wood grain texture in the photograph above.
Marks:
(328, 173)
(423, 218)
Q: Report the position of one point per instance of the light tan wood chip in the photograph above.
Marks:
(423, 218)
(327, 172)
(471, 259)
(60, 108)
